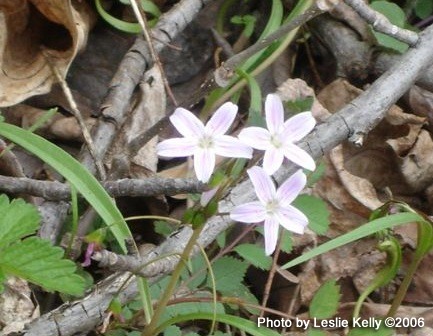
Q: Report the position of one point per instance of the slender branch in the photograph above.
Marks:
(78, 116)
(381, 24)
(56, 191)
(226, 71)
(141, 18)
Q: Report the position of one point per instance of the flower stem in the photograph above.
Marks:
(150, 329)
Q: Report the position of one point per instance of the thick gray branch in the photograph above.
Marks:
(358, 117)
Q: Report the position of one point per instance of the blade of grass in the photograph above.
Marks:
(360, 232)
(76, 174)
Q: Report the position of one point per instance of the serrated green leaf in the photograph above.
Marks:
(325, 302)
(173, 331)
(255, 255)
(316, 211)
(18, 219)
(229, 274)
(37, 261)
(197, 269)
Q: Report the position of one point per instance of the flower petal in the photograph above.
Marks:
(222, 119)
(271, 234)
(274, 113)
(292, 219)
(273, 160)
(204, 164)
(291, 188)
(299, 156)
(298, 126)
(229, 146)
(176, 147)
(256, 137)
(187, 123)
(263, 185)
(252, 212)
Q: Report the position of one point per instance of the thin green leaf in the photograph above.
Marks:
(255, 255)
(18, 219)
(360, 232)
(127, 27)
(325, 302)
(37, 261)
(243, 324)
(255, 117)
(76, 174)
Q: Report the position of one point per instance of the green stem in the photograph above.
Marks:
(150, 329)
(401, 293)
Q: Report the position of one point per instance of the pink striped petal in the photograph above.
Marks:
(187, 123)
(298, 126)
(292, 219)
(222, 119)
(256, 137)
(176, 147)
(252, 212)
(271, 235)
(263, 185)
(272, 160)
(299, 156)
(229, 146)
(291, 188)
(274, 111)
(204, 164)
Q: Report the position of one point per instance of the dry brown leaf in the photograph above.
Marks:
(296, 89)
(35, 30)
(417, 165)
(150, 110)
(16, 306)
(383, 159)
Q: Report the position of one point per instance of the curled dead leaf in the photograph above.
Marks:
(38, 30)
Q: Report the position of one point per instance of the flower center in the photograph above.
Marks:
(275, 140)
(272, 206)
(205, 142)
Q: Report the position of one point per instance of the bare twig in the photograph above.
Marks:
(56, 191)
(141, 17)
(381, 24)
(77, 114)
(359, 116)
